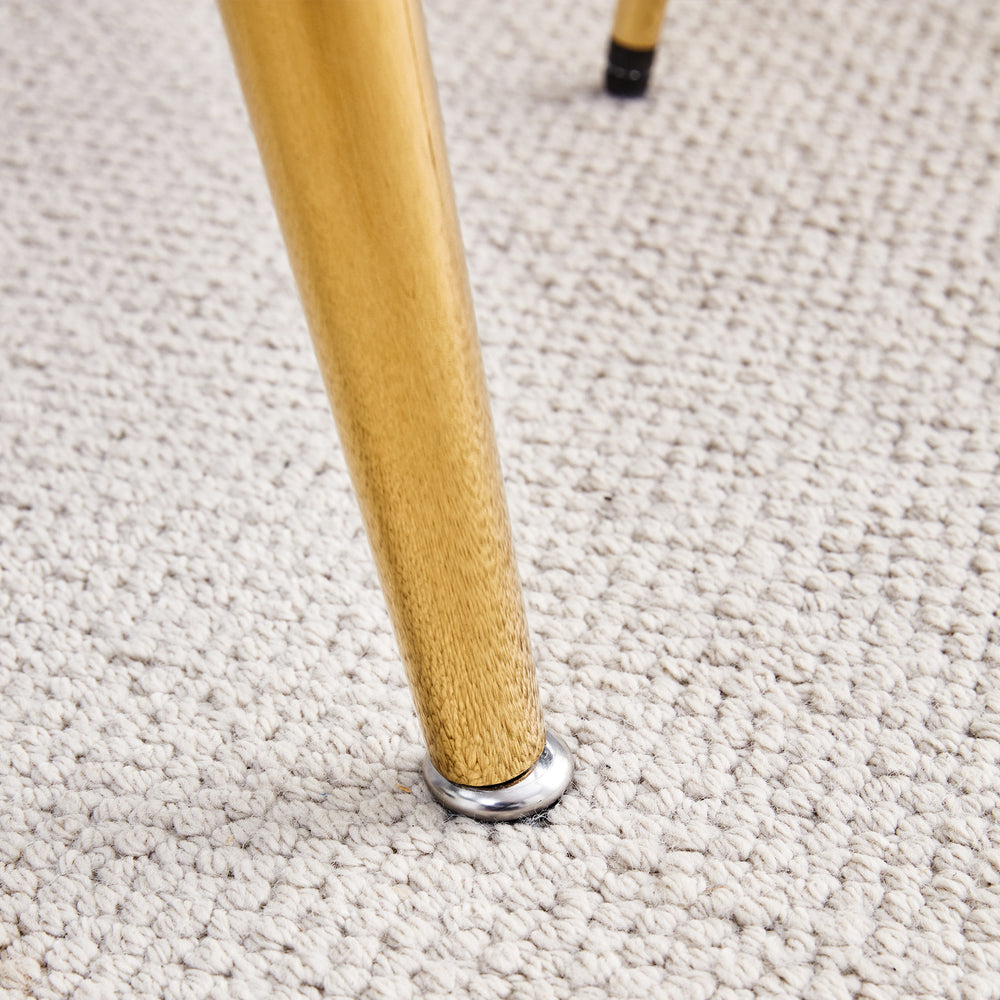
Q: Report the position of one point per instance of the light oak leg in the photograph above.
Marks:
(344, 107)
(633, 46)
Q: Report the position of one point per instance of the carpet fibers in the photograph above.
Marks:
(742, 343)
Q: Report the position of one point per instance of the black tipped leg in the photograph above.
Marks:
(628, 70)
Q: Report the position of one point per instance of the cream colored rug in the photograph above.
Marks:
(742, 340)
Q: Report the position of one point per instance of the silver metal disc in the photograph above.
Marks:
(534, 791)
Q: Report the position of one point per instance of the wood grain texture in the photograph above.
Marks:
(637, 23)
(344, 107)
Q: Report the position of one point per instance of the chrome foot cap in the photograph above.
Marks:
(534, 791)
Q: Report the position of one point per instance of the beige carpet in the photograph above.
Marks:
(742, 340)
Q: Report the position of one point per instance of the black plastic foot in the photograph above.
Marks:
(628, 70)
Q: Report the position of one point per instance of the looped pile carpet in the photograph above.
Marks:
(742, 341)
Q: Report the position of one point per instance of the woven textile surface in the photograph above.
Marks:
(742, 343)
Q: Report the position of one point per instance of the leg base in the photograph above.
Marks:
(628, 70)
(534, 791)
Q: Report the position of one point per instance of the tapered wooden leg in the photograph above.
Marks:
(633, 46)
(344, 107)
